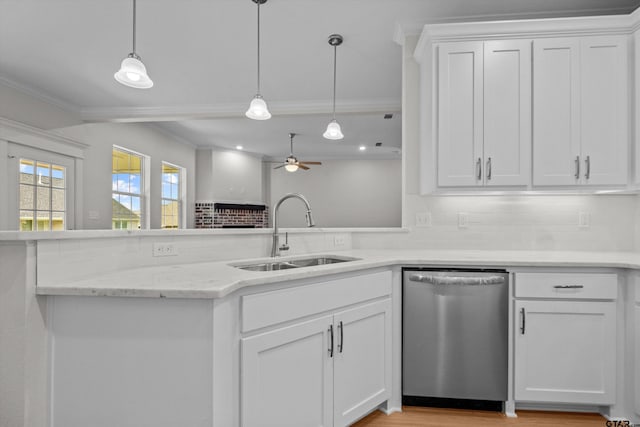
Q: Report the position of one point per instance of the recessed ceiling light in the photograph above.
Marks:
(362, 148)
(239, 147)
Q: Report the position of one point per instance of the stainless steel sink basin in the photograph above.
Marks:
(293, 263)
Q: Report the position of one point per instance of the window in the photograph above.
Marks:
(127, 185)
(42, 195)
(172, 191)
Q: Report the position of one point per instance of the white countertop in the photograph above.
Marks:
(219, 279)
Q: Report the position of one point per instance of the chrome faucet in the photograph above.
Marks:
(275, 249)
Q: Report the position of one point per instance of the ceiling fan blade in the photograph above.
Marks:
(301, 166)
(278, 167)
(311, 163)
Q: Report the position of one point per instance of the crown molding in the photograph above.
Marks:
(525, 29)
(40, 95)
(20, 133)
(188, 112)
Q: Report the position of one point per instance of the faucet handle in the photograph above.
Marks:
(285, 245)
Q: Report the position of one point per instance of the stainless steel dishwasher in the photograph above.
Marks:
(454, 338)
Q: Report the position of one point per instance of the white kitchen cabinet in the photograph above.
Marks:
(565, 351)
(287, 376)
(328, 371)
(636, 328)
(580, 110)
(484, 113)
(565, 337)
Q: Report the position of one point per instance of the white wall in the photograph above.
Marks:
(342, 193)
(143, 138)
(228, 176)
(24, 108)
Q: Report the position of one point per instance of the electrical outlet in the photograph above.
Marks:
(584, 220)
(339, 240)
(423, 219)
(463, 220)
(164, 249)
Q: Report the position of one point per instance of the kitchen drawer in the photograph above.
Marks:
(270, 308)
(566, 285)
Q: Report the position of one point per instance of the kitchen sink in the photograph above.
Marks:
(293, 263)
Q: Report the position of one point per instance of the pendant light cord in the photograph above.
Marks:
(335, 56)
(258, 77)
(134, 26)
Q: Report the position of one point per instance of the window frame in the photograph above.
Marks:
(144, 185)
(182, 192)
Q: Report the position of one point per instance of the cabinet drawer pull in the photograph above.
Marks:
(522, 320)
(479, 169)
(577, 163)
(330, 330)
(587, 164)
(341, 342)
(569, 286)
(488, 169)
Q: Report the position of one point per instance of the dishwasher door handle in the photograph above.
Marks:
(457, 280)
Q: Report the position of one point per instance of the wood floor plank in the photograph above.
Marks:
(435, 417)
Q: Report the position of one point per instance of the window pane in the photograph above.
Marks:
(44, 198)
(27, 171)
(43, 221)
(57, 220)
(166, 190)
(43, 172)
(57, 196)
(134, 184)
(26, 220)
(58, 176)
(26, 196)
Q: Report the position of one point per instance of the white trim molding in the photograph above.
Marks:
(31, 136)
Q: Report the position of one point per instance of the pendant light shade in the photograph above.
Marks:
(291, 167)
(258, 109)
(333, 129)
(132, 71)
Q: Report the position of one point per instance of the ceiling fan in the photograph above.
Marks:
(291, 164)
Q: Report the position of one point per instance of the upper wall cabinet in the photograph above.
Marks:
(513, 106)
(580, 111)
(484, 113)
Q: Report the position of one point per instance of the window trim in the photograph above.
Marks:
(145, 190)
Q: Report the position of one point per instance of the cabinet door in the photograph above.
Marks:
(556, 111)
(637, 352)
(604, 110)
(362, 366)
(287, 377)
(566, 353)
(460, 114)
(507, 112)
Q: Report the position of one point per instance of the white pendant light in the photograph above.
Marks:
(258, 108)
(333, 129)
(291, 167)
(132, 71)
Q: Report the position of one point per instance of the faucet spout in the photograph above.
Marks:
(275, 251)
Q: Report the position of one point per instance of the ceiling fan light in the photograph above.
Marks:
(258, 109)
(133, 73)
(333, 131)
(291, 167)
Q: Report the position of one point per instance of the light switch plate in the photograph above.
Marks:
(463, 220)
(584, 220)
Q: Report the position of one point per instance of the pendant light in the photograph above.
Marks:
(333, 129)
(258, 108)
(132, 71)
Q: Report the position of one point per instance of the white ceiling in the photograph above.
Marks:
(201, 56)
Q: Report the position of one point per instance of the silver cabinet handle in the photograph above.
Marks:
(569, 286)
(488, 169)
(479, 169)
(341, 342)
(330, 330)
(577, 175)
(522, 320)
(587, 165)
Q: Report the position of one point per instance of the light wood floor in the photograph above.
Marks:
(434, 417)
